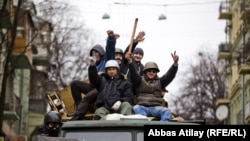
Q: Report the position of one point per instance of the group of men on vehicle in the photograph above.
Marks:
(120, 83)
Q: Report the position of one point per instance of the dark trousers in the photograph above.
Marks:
(83, 104)
(79, 87)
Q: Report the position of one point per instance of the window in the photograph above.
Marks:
(100, 135)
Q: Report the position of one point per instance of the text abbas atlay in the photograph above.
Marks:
(182, 132)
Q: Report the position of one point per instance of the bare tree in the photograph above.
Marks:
(202, 84)
(7, 41)
(69, 49)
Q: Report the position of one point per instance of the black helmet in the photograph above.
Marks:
(151, 65)
(52, 123)
(118, 50)
(52, 117)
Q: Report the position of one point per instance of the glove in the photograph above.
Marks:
(92, 61)
(117, 105)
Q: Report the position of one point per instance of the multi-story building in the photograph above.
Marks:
(27, 83)
(235, 52)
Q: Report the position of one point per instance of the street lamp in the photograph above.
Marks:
(105, 16)
(162, 17)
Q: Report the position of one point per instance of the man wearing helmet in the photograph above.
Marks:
(149, 88)
(115, 92)
(52, 124)
(119, 55)
(78, 87)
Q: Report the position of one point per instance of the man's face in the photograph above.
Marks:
(151, 73)
(112, 71)
(96, 55)
(53, 128)
(137, 57)
(118, 57)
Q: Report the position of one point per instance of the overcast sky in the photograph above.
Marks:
(190, 25)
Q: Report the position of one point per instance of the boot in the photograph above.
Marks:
(70, 114)
(77, 117)
(96, 117)
(84, 105)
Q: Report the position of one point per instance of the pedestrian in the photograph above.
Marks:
(78, 87)
(149, 88)
(52, 125)
(115, 92)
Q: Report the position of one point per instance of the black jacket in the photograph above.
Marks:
(110, 89)
(124, 67)
(43, 131)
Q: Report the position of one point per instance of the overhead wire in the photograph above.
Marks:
(178, 4)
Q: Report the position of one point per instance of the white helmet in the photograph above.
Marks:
(112, 63)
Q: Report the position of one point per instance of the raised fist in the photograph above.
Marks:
(112, 34)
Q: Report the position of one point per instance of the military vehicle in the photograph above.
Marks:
(114, 128)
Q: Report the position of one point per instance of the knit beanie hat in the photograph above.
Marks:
(138, 50)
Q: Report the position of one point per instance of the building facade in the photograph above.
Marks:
(26, 38)
(235, 52)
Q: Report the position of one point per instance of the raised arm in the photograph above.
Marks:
(94, 78)
(168, 77)
(110, 45)
(139, 38)
(135, 77)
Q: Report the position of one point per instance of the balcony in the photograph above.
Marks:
(40, 57)
(40, 61)
(222, 101)
(20, 45)
(224, 51)
(21, 61)
(244, 69)
(225, 12)
(10, 115)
